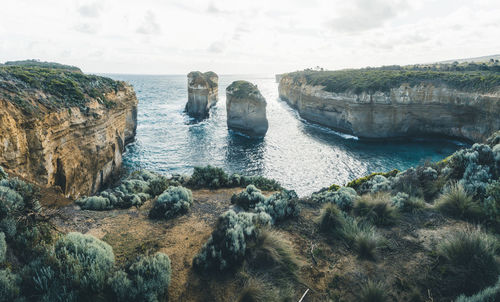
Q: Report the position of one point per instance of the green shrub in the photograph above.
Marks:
(3, 247)
(491, 204)
(174, 201)
(331, 220)
(456, 202)
(280, 206)
(96, 203)
(3, 175)
(158, 185)
(260, 182)
(373, 292)
(343, 197)
(358, 183)
(405, 203)
(9, 286)
(147, 279)
(489, 294)
(248, 198)
(208, 177)
(467, 262)
(215, 178)
(226, 247)
(376, 209)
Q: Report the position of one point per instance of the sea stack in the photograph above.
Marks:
(246, 109)
(203, 93)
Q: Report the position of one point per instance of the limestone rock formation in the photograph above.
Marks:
(417, 110)
(246, 109)
(66, 129)
(203, 93)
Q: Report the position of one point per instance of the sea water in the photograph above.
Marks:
(302, 156)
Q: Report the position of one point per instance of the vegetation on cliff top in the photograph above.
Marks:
(243, 89)
(203, 78)
(468, 77)
(61, 86)
(37, 63)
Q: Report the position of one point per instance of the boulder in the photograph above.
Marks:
(246, 109)
(203, 93)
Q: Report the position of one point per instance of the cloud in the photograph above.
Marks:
(149, 26)
(217, 47)
(87, 28)
(367, 14)
(212, 9)
(91, 10)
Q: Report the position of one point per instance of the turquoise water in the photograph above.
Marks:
(302, 156)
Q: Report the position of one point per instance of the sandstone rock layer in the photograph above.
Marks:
(246, 109)
(405, 111)
(75, 148)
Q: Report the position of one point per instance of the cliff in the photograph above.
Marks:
(64, 128)
(246, 109)
(203, 93)
(387, 105)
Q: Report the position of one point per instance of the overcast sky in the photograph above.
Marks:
(251, 36)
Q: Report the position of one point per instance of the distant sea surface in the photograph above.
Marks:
(300, 155)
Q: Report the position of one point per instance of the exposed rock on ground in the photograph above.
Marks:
(246, 109)
(203, 93)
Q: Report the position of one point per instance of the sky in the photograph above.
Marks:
(245, 37)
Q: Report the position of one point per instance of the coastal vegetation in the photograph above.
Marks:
(39, 263)
(483, 77)
(62, 86)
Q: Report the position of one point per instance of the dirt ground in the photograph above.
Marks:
(329, 268)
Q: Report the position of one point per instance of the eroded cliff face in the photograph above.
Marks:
(203, 93)
(404, 111)
(73, 148)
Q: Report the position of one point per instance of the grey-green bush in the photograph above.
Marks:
(3, 175)
(343, 197)
(226, 247)
(136, 189)
(280, 205)
(86, 260)
(3, 247)
(406, 203)
(9, 286)
(77, 268)
(248, 198)
(208, 177)
(157, 185)
(215, 178)
(174, 201)
(147, 279)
